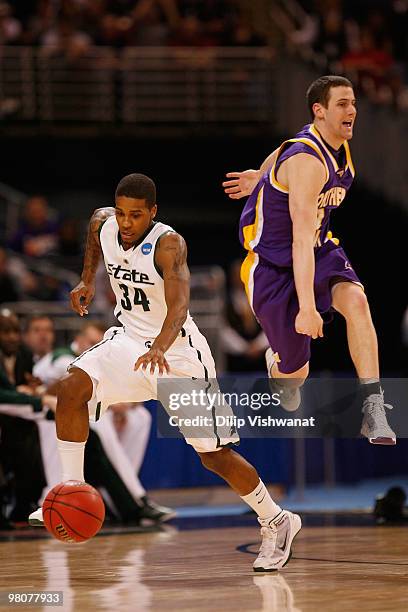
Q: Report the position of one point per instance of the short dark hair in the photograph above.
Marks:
(319, 90)
(28, 321)
(138, 186)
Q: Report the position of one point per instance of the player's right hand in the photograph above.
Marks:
(154, 357)
(81, 297)
(309, 322)
(241, 184)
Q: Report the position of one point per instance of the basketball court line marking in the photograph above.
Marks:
(244, 548)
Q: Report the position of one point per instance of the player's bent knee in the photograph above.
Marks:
(351, 301)
(75, 387)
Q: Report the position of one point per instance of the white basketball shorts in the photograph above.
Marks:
(110, 365)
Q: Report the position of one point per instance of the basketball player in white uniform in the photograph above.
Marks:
(147, 266)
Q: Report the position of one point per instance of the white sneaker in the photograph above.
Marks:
(35, 519)
(277, 537)
(289, 396)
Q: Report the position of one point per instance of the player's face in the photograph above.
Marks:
(340, 115)
(40, 336)
(134, 218)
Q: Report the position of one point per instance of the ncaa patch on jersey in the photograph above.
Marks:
(146, 248)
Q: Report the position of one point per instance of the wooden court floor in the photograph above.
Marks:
(333, 569)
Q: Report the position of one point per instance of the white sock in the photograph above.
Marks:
(262, 502)
(72, 459)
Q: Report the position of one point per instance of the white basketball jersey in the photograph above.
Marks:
(138, 285)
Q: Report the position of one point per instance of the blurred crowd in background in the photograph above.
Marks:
(365, 39)
(54, 25)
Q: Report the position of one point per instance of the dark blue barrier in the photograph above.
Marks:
(173, 463)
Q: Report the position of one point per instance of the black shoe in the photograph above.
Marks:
(150, 511)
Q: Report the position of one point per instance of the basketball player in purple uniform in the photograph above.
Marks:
(295, 271)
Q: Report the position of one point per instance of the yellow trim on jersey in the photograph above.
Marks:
(309, 143)
(317, 135)
(348, 157)
(329, 236)
(272, 177)
(250, 231)
(246, 269)
(349, 161)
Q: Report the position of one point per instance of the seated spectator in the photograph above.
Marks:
(20, 451)
(39, 337)
(37, 235)
(8, 284)
(16, 359)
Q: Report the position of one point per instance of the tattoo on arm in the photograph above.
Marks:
(177, 251)
(93, 248)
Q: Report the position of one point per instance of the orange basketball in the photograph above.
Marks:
(73, 511)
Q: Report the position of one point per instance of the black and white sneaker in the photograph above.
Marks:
(149, 512)
(277, 537)
(35, 519)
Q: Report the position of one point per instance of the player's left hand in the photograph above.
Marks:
(155, 357)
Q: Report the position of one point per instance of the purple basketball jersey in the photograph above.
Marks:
(265, 224)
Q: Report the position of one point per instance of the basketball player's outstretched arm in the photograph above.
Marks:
(243, 183)
(171, 259)
(82, 294)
